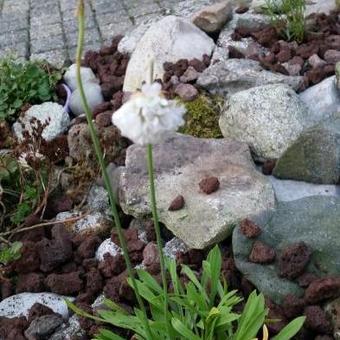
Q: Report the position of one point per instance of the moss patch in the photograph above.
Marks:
(201, 118)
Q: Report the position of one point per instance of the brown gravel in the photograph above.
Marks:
(209, 185)
(249, 229)
(262, 253)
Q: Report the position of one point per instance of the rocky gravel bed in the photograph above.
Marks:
(267, 190)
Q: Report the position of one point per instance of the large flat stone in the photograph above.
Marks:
(180, 164)
(313, 220)
(228, 76)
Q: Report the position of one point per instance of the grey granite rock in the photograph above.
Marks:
(315, 156)
(268, 118)
(229, 76)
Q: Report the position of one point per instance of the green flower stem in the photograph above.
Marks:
(158, 236)
(102, 164)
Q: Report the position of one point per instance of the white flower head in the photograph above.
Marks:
(147, 117)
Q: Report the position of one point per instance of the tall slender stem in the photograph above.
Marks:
(102, 164)
(158, 236)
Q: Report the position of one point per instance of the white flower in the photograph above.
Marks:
(147, 117)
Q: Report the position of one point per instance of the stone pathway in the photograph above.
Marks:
(47, 29)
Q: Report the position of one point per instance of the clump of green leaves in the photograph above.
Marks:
(23, 82)
(201, 118)
(10, 253)
(202, 309)
(288, 16)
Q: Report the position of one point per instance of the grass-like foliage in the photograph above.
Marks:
(24, 82)
(289, 17)
(203, 308)
(10, 253)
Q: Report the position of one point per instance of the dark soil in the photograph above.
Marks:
(314, 58)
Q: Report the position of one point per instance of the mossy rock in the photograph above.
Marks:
(201, 118)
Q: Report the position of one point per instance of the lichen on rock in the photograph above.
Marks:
(201, 118)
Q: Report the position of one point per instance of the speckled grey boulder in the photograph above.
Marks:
(49, 113)
(181, 162)
(313, 220)
(19, 305)
(228, 76)
(268, 118)
(315, 156)
(323, 99)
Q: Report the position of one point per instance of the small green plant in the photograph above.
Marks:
(10, 253)
(288, 16)
(24, 83)
(202, 309)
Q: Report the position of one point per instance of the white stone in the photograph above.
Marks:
(93, 95)
(92, 223)
(69, 330)
(229, 76)
(107, 247)
(51, 113)
(204, 219)
(288, 190)
(20, 304)
(70, 76)
(212, 18)
(268, 118)
(129, 42)
(168, 40)
(174, 247)
(323, 99)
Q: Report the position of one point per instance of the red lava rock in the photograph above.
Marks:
(268, 167)
(94, 282)
(209, 185)
(6, 288)
(91, 59)
(151, 258)
(307, 50)
(198, 65)
(206, 60)
(292, 306)
(104, 119)
(261, 253)
(32, 282)
(187, 92)
(323, 289)
(332, 56)
(69, 267)
(296, 60)
(180, 67)
(249, 229)
(306, 279)
(29, 260)
(107, 50)
(266, 36)
(177, 203)
(241, 9)
(235, 53)
(57, 251)
(38, 310)
(316, 320)
(12, 329)
(106, 106)
(294, 260)
(276, 313)
(64, 284)
(109, 87)
(112, 266)
(284, 55)
(88, 247)
(117, 100)
(85, 323)
(90, 263)
(56, 205)
(111, 289)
